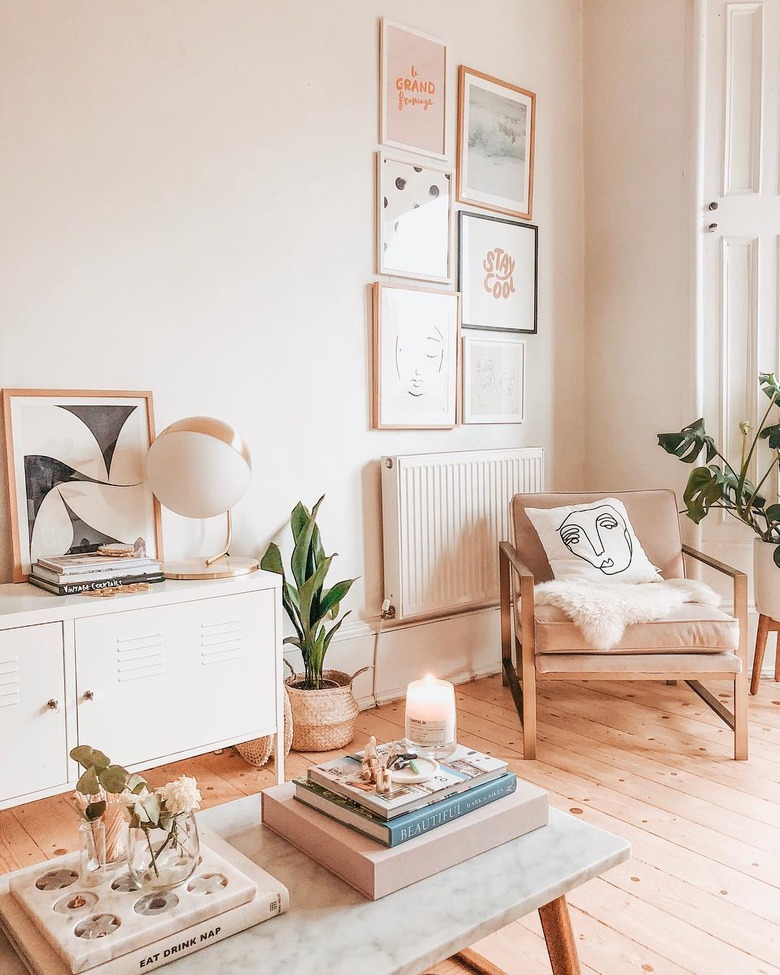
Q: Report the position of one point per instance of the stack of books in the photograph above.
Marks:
(68, 575)
(381, 843)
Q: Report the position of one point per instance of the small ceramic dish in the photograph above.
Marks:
(420, 770)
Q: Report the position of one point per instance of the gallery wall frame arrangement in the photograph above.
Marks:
(415, 361)
(75, 464)
(496, 125)
(498, 272)
(493, 378)
(413, 220)
(412, 90)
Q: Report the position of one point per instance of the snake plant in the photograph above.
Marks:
(309, 605)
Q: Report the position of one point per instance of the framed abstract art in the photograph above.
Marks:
(75, 464)
(415, 358)
(493, 379)
(413, 90)
(413, 220)
(498, 272)
(495, 144)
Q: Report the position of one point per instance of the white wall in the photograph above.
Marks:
(641, 219)
(186, 203)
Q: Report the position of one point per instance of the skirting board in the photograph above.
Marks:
(459, 648)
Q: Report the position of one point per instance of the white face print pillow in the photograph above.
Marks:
(592, 543)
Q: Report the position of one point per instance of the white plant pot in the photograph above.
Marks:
(766, 579)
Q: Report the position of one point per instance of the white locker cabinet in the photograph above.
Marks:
(149, 678)
(32, 710)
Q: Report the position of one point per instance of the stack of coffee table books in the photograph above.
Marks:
(381, 843)
(60, 927)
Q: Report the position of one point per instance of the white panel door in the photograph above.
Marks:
(158, 681)
(32, 710)
(741, 228)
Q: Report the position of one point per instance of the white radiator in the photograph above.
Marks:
(443, 517)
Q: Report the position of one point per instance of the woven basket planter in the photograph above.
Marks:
(323, 719)
(259, 750)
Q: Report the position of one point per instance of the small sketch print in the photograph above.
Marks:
(413, 220)
(493, 380)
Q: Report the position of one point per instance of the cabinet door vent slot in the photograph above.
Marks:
(140, 657)
(9, 681)
(221, 642)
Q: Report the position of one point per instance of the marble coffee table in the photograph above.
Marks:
(330, 929)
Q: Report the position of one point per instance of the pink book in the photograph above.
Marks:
(377, 870)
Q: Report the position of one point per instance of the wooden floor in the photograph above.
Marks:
(650, 762)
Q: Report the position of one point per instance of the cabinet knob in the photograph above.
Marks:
(713, 205)
(712, 227)
(52, 704)
(89, 695)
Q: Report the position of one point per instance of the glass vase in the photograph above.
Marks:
(93, 852)
(163, 857)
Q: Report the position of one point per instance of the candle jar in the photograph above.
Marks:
(431, 726)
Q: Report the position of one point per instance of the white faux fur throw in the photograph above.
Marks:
(603, 612)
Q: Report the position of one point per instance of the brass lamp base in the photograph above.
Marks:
(226, 568)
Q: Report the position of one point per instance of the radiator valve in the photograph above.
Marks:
(388, 611)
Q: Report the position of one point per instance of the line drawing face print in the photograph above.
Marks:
(599, 536)
(419, 359)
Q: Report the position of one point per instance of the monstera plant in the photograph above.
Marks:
(717, 484)
(311, 607)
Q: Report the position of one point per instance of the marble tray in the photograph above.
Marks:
(88, 926)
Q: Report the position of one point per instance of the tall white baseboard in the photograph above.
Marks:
(458, 648)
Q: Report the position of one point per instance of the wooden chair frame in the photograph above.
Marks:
(524, 689)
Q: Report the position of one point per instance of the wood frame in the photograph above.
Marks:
(19, 574)
(520, 95)
(441, 152)
(378, 418)
(524, 689)
(381, 267)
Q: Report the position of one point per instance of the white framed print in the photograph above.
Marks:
(76, 472)
(496, 124)
(414, 215)
(493, 379)
(415, 358)
(412, 90)
(498, 272)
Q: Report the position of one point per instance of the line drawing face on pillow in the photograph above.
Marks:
(600, 536)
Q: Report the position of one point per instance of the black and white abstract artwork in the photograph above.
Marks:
(493, 379)
(413, 220)
(76, 472)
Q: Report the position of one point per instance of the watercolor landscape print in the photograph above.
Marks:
(495, 144)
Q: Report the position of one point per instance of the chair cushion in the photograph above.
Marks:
(592, 542)
(664, 665)
(690, 628)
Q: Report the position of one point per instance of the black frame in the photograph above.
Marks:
(462, 216)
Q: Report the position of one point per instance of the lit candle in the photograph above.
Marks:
(430, 716)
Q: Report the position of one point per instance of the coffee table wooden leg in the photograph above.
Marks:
(758, 659)
(559, 936)
(472, 961)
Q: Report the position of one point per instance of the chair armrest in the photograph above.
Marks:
(739, 580)
(713, 563)
(514, 559)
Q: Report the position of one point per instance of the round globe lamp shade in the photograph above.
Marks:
(200, 467)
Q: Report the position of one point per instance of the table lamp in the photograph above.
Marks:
(200, 467)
